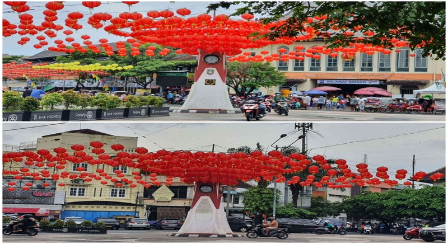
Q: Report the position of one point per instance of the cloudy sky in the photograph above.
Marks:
(386, 144)
(114, 8)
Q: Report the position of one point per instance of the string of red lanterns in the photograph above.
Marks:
(191, 167)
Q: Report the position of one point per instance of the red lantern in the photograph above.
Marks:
(117, 147)
(407, 183)
(332, 172)
(183, 11)
(77, 147)
(96, 144)
(61, 184)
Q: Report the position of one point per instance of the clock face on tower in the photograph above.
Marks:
(211, 59)
(206, 188)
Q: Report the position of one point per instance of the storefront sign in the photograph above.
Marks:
(349, 82)
(332, 76)
(59, 197)
(42, 194)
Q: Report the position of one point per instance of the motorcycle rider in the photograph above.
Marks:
(27, 220)
(329, 227)
(273, 224)
(277, 98)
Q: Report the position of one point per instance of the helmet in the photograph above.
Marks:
(27, 216)
(277, 93)
(327, 221)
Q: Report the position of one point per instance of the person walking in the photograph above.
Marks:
(328, 103)
(353, 103)
(361, 105)
(37, 93)
(334, 102)
(320, 102)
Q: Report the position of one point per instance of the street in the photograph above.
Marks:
(154, 235)
(298, 115)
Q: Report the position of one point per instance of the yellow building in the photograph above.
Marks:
(92, 199)
(399, 73)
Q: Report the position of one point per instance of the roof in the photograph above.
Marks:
(82, 131)
(243, 185)
(428, 180)
(185, 57)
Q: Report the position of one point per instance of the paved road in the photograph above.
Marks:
(161, 236)
(300, 115)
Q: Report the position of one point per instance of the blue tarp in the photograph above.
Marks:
(91, 215)
(315, 92)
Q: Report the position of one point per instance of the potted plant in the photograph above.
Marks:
(135, 108)
(100, 225)
(6, 220)
(87, 224)
(44, 223)
(11, 106)
(72, 100)
(70, 223)
(59, 223)
(29, 105)
(49, 102)
(156, 109)
(108, 106)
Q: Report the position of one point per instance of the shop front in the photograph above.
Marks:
(350, 86)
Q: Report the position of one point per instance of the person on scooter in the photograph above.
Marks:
(261, 106)
(277, 98)
(273, 224)
(27, 220)
(328, 226)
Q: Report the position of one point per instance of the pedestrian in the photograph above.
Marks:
(320, 102)
(37, 93)
(361, 104)
(315, 101)
(170, 97)
(328, 103)
(334, 102)
(354, 103)
(26, 93)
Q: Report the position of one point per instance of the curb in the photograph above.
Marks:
(206, 111)
(205, 235)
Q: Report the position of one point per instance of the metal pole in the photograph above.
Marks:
(413, 170)
(228, 201)
(136, 202)
(304, 138)
(275, 198)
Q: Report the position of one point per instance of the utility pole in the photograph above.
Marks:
(413, 170)
(304, 127)
(136, 202)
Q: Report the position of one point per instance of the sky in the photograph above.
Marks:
(114, 8)
(385, 144)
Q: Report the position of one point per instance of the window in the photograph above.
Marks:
(236, 199)
(117, 192)
(315, 64)
(403, 60)
(332, 63)
(383, 62)
(366, 62)
(421, 63)
(77, 192)
(180, 192)
(283, 65)
(349, 65)
(408, 89)
(299, 65)
(84, 165)
(123, 169)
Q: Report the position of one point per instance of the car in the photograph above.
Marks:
(108, 222)
(169, 223)
(238, 224)
(138, 223)
(433, 233)
(78, 220)
(298, 225)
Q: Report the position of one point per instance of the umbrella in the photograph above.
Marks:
(383, 93)
(371, 89)
(315, 92)
(326, 88)
(361, 92)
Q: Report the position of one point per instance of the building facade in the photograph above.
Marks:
(399, 73)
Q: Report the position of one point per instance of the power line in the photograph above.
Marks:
(381, 138)
(163, 129)
(37, 126)
(141, 136)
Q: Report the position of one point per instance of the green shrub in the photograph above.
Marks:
(85, 100)
(157, 101)
(58, 223)
(52, 99)
(100, 225)
(145, 100)
(132, 102)
(30, 104)
(44, 223)
(6, 220)
(71, 98)
(11, 100)
(86, 223)
(70, 223)
(105, 101)
(289, 211)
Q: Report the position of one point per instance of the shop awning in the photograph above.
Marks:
(37, 211)
(231, 192)
(46, 88)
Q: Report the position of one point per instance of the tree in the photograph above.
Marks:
(291, 211)
(245, 77)
(426, 203)
(418, 22)
(259, 198)
(12, 58)
(323, 208)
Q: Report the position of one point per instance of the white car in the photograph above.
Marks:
(78, 220)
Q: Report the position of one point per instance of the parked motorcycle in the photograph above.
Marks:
(30, 230)
(411, 233)
(282, 108)
(293, 105)
(258, 231)
(250, 110)
(336, 230)
(367, 230)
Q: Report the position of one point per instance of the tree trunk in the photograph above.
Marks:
(295, 192)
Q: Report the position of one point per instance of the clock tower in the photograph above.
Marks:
(209, 91)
